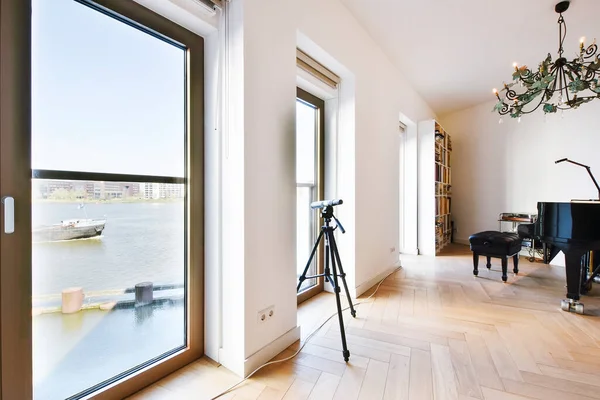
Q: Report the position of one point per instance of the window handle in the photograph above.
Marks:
(9, 214)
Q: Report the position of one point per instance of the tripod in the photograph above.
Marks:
(331, 250)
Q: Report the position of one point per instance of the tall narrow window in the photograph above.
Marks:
(116, 186)
(309, 185)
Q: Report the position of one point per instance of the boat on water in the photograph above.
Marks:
(69, 229)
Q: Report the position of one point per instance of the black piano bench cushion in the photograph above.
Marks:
(496, 244)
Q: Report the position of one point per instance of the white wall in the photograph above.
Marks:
(379, 94)
(426, 188)
(509, 167)
(270, 179)
(410, 196)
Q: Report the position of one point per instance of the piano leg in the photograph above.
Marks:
(573, 272)
(475, 263)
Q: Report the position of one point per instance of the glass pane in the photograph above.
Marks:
(305, 236)
(106, 97)
(109, 258)
(93, 242)
(306, 122)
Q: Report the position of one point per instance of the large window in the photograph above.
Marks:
(116, 186)
(309, 186)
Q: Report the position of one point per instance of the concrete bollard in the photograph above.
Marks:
(144, 293)
(72, 300)
(108, 306)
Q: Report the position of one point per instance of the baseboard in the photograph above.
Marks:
(363, 287)
(271, 350)
(412, 252)
(461, 241)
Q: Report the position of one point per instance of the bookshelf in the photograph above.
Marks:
(435, 187)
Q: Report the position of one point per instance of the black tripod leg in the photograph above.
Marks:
(334, 248)
(336, 289)
(326, 270)
(312, 254)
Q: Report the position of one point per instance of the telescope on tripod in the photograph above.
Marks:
(331, 275)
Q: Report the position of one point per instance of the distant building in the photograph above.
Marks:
(135, 190)
(99, 190)
(161, 190)
(43, 188)
(150, 190)
(83, 190)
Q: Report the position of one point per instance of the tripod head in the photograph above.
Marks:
(327, 215)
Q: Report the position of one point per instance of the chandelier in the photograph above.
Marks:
(556, 85)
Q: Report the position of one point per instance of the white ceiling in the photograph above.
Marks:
(455, 52)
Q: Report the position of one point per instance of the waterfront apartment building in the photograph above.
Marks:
(82, 190)
(161, 190)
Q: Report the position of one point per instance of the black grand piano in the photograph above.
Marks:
(573, 228)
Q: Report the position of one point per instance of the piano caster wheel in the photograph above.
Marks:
(531, 259)
(571, 306)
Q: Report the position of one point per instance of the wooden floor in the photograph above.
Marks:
(433, 331)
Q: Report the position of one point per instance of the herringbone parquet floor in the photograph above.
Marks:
(432, 331)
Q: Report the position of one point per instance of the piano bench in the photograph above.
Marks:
(496, 244)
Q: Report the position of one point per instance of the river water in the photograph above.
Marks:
(141, 242)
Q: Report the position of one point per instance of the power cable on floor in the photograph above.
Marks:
(305, 341)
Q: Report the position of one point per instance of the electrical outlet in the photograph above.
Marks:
(262, 317)
(265, 314)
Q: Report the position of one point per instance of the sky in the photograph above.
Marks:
(305, 142)
(107, 97)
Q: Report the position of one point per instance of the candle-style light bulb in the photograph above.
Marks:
(516, 66)
(582, 42)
